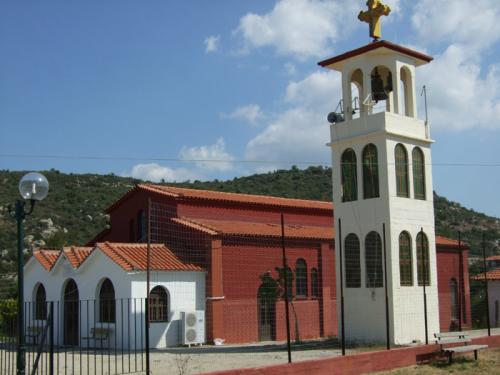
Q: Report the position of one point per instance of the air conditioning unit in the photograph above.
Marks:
(193, 327)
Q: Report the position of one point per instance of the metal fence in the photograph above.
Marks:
(77, 337)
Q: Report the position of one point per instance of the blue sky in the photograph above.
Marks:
(144, 88)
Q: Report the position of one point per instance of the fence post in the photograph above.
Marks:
(285, 275)
(387, 321)
(460, 282)
(51, 338)
(486, 288)
(146, 322)
(341, 276)
(424, 280)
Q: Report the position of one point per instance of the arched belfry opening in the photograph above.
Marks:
(406, 93)
(356, 92)
(382, 89)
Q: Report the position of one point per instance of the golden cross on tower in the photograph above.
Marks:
(372, 16)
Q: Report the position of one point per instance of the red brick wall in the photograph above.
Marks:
(450, 267)
(231, 211)
(242, 266)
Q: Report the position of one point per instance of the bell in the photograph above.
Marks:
(378, 90)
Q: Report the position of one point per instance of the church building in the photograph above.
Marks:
(369, 258)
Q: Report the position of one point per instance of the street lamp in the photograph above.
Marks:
(32, 187)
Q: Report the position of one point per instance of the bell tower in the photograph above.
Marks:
(383, 196)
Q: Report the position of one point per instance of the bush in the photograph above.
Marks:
(8, 314)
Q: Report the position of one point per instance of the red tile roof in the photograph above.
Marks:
(448, 242)
(494, 257)
(208, 195)
(253, 229)
(76, 254)
(47, 258)
(244, 228)
(133, 257)
(372, 46)
(490, 275)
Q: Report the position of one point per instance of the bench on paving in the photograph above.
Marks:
(33, 332)
(452, 338)
(98, 334)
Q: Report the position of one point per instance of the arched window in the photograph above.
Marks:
(401, 158)
(454, 302)
(373, 261)
(301, 278)
(158, 305)
(314, 283)
(370, 172)
(107, 303)
(40, 303)
(418, 173)
(349, 176)
(423, 268)
(352, 262)
(405, 260)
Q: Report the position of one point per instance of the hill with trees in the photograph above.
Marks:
(73, 212)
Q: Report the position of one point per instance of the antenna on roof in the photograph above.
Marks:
(424, 93)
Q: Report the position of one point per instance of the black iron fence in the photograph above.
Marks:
(76, 337)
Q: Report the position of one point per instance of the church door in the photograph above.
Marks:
(267, 320)
(71, 313)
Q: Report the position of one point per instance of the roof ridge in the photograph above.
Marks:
(167, 187)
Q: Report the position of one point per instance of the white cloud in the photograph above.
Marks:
(249, 113)
(475, 23)
(290, 69)
(301, 28)
(212, 157)
(300, 132)
(460, 94)
(155, 172)
(212, 43)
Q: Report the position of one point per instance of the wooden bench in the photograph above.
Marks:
(98, 334)
(449, 338)
(33, 332)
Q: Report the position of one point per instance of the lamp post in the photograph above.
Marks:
(32, 187)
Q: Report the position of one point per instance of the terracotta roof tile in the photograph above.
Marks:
(47, 258)
(209, 195)
(494, 257)
(77, 254)
(490, 275)
(448, 242)
(243, 228)
(133, 257)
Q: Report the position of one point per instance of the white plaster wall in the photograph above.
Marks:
(186, 293)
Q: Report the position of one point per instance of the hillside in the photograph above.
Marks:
(74, 210)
